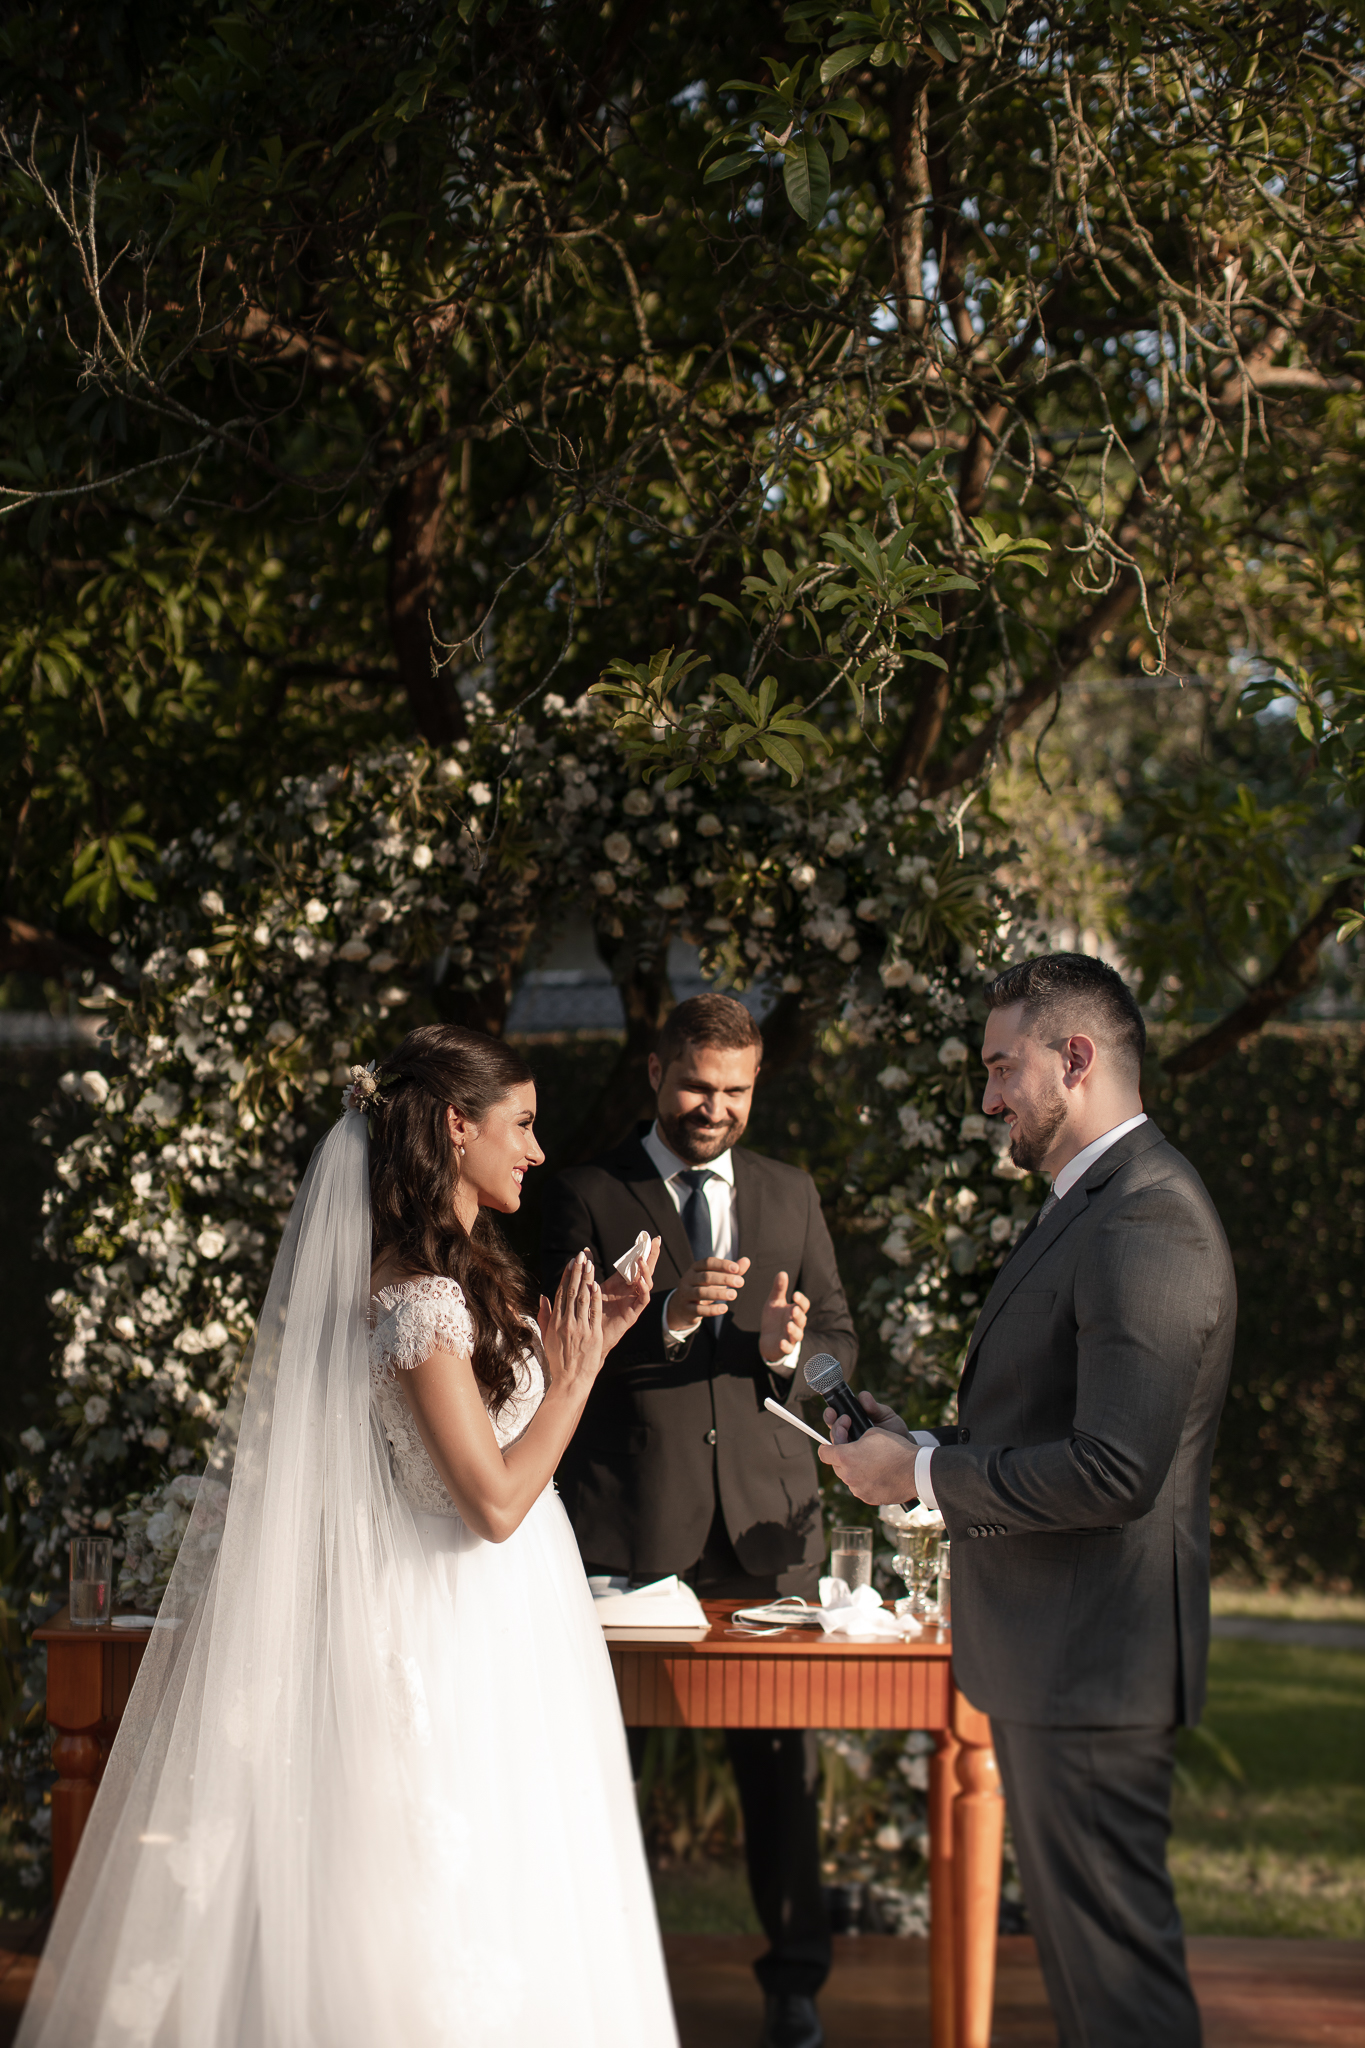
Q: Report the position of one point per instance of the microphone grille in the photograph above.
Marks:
(823, 1373)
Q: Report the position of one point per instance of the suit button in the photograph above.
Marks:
(710, 1436)
(964, 1436)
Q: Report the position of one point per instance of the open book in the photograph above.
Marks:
(666, 1610)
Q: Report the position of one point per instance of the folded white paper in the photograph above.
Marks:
(667, 1603)
(860, 1615)
(631, 1263)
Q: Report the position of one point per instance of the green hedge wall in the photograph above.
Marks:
(1278, 1133)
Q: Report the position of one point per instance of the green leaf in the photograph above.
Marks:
(726, 167)
(805, 173)
(943, 40)
(784, 753)
(723, 604)
(843, 60)
(1303, 718)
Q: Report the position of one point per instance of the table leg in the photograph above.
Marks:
(79, 1762)
(942, 1946)
(978, 1837)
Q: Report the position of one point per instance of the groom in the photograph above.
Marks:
(1075, 1489)
(676, 1465)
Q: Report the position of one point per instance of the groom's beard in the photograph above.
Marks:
(697, 1142)
(1033, 1135)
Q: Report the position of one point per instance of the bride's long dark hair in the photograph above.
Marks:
(415, 1170)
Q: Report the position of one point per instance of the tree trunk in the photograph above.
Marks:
(416, 513)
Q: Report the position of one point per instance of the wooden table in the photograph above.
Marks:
(794, 1680)
(801, 1679)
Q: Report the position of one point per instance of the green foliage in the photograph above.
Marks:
(1278, 1134)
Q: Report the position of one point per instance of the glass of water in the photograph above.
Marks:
(851, 1557)
(92, 1580)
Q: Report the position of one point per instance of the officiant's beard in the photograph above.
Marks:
(1034, 1133)
(697, 1141)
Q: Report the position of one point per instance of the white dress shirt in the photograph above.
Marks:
(719, 1195)
(1066, 1179)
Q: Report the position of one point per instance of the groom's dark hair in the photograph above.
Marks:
(1073, 992)
(707, 1020)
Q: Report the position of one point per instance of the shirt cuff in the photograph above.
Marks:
(673, 1338)
(925, 1438)
(787, 1364)
(924, 1485)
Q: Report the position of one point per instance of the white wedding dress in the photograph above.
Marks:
(371, 1788)
(536, 1904)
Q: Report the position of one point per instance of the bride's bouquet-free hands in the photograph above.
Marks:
(571, 1330)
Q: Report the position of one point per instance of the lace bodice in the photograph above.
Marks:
(407, 1323)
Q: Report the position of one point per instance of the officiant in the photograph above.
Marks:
(676, 1465)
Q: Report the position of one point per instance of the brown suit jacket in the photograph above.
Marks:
(663, 1437)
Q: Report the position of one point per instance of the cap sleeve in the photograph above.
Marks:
(417, 1317)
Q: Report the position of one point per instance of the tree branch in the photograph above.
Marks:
(1292, 973)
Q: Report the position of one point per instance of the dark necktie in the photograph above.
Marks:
(696, 1214)
(1050, 1201)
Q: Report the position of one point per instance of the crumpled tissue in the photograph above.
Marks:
(860, 1615)
(630, 1263)
(918, 1517)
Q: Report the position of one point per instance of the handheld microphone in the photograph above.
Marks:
(825, 1377)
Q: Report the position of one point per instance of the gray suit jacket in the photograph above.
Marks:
(1076, 1485)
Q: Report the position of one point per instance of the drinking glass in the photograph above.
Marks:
(945, 1582)
(915, 1564)
(92, 1580)
(851, 1557)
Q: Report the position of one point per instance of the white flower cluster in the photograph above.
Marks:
(154, 1529)
(287, 948)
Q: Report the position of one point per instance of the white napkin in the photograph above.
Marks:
(630, 1263)
(860, 1615)
(917, 1517)
(667, 1603)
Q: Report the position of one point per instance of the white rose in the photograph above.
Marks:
(211, 1242)
(197, 958)
(422, 856)
(895, 973)
(972, 1129)
(616, 847)
(802, 875)
(952, 1052)
(792, 984)
(672, 898)
(261, 934)
(449, 771)
(929, 886)
(604, 881)
(764, 916)
(215, 1335)
(893, 1079)
(280, 1032)
(1001, 1228)
(837, 843)
(869, 907)
(383, 963)
(637, 803)
(480, 793)
(393, 996)
(719, 924)
(211, 903)
(850, 952)
(156, 1440)
(125, 1327)
(354, 949)
(668, 835)
(104, 1518)
(709, 825)
(96, 1410)
(314, 911)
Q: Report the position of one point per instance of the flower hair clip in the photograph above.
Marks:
(361, 1090)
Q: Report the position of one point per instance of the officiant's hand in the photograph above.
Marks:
(624, 1301)
(571, 1330)
(783, 1322)
(706, 1289)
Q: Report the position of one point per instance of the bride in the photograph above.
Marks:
(372, 1787)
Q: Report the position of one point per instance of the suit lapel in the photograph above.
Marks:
(643, 1179)
(748, 1206)
(1025, 1258)
(1073, 1204)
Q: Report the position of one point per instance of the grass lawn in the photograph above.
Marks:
(1284, 1852)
